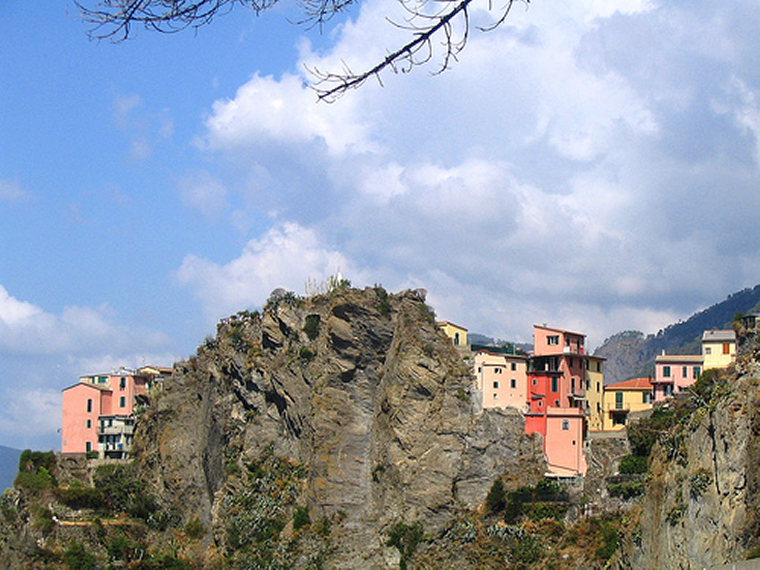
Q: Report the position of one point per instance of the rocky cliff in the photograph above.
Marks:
(701, 507)
(358, 403)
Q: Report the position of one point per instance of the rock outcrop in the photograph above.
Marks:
(360, 391)
(701, 507)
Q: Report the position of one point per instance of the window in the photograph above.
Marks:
(565, 425)
(708, 350)
(552, 340)
(556, 403)
(619, 400)
(726, 348)
(496, 384)
(685, 371)
(668, 389)
(456, 339)
(122, 401)
(598, 387)
(666, 371)
(498, 370)
(495, 396)
(540, 404)
(598, 365)
(513, 383)
(89, 404)
(480, 368)
(696, 372)
(572, 385)
(618, 419)
(598, 407)
(535, 382)
(555, 384)
(122, 383)
(647, 397)
(89, 424)
(514, 366)
(571, 362)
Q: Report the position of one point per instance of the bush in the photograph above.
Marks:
(35, 470)
(301, 517)
(643, 434)
(76, 557)
(311, 327)
(626, 489)
(125, 492)
(194, 529)
(306, 353)
(405, 538)
(633, 464)
(497, 497)
(81, 497)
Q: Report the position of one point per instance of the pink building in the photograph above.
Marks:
(98, 411)
(501, 379)
(674, 373)
(557, 377)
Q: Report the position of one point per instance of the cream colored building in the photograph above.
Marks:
(456, 333)
(595, 393)
(501, 379)
(718, 348)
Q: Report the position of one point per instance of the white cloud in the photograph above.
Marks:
(12, 190)
(203, 192)
(284, 110)
(286, 256)
(26, 328)
(583, 165)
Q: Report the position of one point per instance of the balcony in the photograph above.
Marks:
(578, 350)
(117, 429)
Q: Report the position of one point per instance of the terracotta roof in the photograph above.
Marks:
(632, 384)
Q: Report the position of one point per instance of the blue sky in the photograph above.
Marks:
(592, 165)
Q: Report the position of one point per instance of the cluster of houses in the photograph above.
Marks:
(99, 410)
(560, 388)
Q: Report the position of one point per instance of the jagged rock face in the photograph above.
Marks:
(359, 388)
(701, 506)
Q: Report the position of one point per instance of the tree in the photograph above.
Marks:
(426, 22)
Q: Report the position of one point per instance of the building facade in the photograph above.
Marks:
(99, 411)
(718, 348)
(557, 397)
(674, 373)
(625, 400)
(501, 379)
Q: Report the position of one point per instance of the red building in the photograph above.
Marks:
(556, 397)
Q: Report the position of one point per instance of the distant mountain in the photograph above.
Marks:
(630, 353)
(483, 340)
(8, 466)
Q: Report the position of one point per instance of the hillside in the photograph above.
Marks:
(631, 353)
(8, 466)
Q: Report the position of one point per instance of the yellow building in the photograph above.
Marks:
(595, 393)
(718, 348)
(456, 333)
(624, 399)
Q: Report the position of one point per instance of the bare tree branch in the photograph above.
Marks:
(426, 22)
